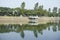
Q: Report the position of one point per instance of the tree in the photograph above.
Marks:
(22, 10)
(36, 6)
(22, 34)
(40, 10)
(41, 7)
(45, 12)
(59, 12)
(49, 12)
(54, 11)
(35, 33)
(4, 11)
(18, 11)
(23, 5)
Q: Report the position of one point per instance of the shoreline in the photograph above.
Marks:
(25, 20)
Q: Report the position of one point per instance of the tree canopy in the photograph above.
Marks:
(37, 10)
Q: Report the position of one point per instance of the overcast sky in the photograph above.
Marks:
(30, 3)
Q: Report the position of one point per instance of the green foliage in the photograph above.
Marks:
(59, 12)
(54, 11)
(36, 6)
(38, 10)
(23, 5)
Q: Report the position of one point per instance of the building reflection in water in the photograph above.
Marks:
(35, 28)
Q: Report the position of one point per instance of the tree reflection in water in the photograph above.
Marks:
(35, 28)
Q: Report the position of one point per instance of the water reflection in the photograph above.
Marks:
(35, 28)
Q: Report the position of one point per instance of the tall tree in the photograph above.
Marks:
(59, 12)
(40, 9)
(22, 8)
(36, 6)
(49, 11)
(23, 5)
(45, 12)
(54, 11)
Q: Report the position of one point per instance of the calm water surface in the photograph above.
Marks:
(49, 31)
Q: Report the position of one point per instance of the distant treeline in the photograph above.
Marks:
(38, 10)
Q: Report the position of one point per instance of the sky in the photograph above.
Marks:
(30, 3)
